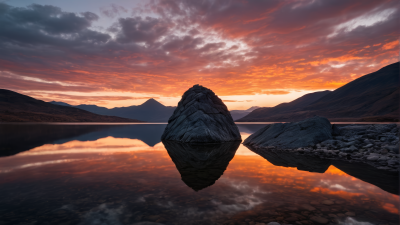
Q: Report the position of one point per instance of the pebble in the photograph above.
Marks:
(273, 223)
(319, 219)
(328, 202)
(373, 158)
(291, 219)
(350, 214)
(308, 207)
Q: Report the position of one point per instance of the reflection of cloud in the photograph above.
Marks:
(37, 164)
(352, 221)
(102, 215)
(107, 145)
(242, 203)
(334, 186)
(244, 198)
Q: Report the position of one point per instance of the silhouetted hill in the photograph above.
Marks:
(15, 107)
(61, 103)
(237, 114)
(267, 112)
(372, 97)
(150, 111)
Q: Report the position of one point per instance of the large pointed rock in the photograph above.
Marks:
(201, 117)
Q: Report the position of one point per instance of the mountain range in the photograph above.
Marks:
(371, 98)
(150, 111)
(15, 107)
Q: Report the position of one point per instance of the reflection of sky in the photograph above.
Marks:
(249, 185)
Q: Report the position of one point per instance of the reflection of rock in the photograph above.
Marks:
(201, 117)
(385, 180)
(288, 159)
(23, 137)
(200, 165)
(292, 135)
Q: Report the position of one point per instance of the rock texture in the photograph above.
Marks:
(292, 135)
(200, 165)
(201, 117)
(374, 144)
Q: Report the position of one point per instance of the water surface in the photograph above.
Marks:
(122, 174)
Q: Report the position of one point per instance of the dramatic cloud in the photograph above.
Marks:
(233, 47)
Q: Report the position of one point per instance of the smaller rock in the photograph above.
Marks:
(308, 207)
(392, 162)
(352, 148)
(383, 168)
(328, 202)
(319, 219)
(291, 219)
(350, 214)
(368, 146)
(273, 223)
(335, 130)
(393, 148)
(340, 215)
(373, 158)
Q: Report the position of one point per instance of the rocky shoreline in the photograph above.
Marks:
(374, 144)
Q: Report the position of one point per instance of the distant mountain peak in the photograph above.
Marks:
(152, 102)
(252, 108)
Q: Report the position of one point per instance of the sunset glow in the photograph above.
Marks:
(120, 53)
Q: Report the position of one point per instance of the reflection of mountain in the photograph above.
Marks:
(387, 181)
(19, 138)
(287, 159)
(200, 165)
(148, 133)
(249, 128)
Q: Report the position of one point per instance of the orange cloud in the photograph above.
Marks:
(233, 53)
(391, 45)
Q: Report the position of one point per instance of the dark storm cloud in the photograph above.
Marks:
(113, 11)
(234, 47)
(140, 29)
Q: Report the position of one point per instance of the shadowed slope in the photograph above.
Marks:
(15, 107)
(372, 97)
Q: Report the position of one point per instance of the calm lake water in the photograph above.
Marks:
(123, 174)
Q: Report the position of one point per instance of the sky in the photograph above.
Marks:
(249, 52)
